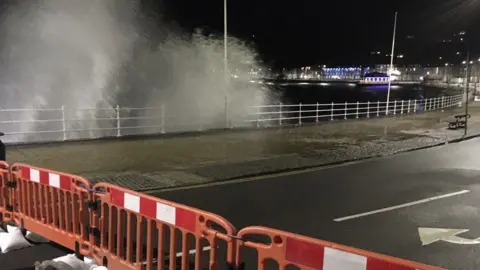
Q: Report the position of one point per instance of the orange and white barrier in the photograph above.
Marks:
(313, 254)
(126, 230)
(5, 200)
(138, 231)
(53, 205)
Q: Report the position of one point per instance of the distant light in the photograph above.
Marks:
(440, 58)
(464, 62)
(446, 64)
(458, 53)
(471, 62)
(400, 56)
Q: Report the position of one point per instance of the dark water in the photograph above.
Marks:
(345, 92)
(309, 94)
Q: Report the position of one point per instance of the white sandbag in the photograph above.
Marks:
(88, 260)
(96, 267)
(52, 265)
(93, 266)
(35, 238)
(74, 262)
(29, 235)
(70, 262)
(11, 228)
(12, 240)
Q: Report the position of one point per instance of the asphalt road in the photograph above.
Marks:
(24, 259)
(309, 202)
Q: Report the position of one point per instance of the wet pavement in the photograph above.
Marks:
(156, 163)
(381, 205)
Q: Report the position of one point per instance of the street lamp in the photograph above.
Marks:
(225, 59)
(3, 151)
(467, 83)
(391, 63)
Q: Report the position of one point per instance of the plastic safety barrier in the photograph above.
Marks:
(53, 205)
(137, 231)
(5, 198)
(289, 249)
(127, 230)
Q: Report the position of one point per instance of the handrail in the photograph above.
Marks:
(61, 124)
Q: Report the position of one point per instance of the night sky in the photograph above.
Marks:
(341, 32)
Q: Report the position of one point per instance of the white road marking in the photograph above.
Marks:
(401, 206)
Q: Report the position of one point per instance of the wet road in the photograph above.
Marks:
(24, 259)
(433, 188)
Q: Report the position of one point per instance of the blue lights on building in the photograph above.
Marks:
(349, 72)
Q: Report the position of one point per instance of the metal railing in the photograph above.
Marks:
(26, 125)
(306, 113)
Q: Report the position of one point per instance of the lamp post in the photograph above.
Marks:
(391, 63)
(3, 151)
(467, 83)
(225, 60)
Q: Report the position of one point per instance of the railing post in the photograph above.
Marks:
(346, 107)
(357, 109)
(378, 108)
(408, 111)
(401, 109)
(300, 114)
(395, 107)
(414, 105)
(316, 113)
(443, 102)
(368, 109)
(64, 124)
(258, 116)
(332, 111)
(162, 112)
(118, 122)
(281, 114)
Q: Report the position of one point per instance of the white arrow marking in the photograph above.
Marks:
(431, 235)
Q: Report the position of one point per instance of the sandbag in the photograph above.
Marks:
(13, 239)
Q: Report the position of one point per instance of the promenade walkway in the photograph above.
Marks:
(157, 163)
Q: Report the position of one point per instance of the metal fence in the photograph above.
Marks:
(61, 124)
(282, 114)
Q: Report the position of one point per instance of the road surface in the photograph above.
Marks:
(24, 259)
(379, 205)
